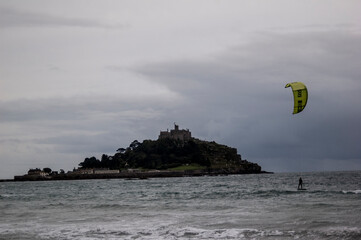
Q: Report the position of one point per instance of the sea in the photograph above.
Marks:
(259, 206)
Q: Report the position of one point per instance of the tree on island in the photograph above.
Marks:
(170, 153)
(159, 154)
(91, 162)
(47, 170)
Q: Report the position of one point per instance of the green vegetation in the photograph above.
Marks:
(173, 155)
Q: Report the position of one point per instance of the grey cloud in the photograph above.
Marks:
(10, 17)
(236, 98)
(75, 109)
(79, 142)
(239, 98)
(268, 59)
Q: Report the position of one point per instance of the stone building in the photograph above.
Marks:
(95, 171)
(182, 135)
(37, 172)
(106, 171)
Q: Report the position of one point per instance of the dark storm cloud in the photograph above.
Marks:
(269, 57)
(10, 17)
(238, 97)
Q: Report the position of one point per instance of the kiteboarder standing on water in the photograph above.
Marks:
(300, 184)
(300, 96)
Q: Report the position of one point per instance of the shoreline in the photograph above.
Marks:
(130, 175)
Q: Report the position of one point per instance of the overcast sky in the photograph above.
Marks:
(83, 78)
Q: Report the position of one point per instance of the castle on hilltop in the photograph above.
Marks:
(182, 135)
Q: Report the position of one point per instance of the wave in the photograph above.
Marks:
(230, 233)
(341, 233)
(3, 196)
(351, 191)
(188, 232)
(110, 206)
(275, 192)
(115, 230)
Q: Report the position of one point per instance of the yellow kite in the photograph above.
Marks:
(300, 95)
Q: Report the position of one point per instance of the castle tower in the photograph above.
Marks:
(182, 135)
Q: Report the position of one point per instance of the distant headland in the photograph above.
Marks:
(174, 154)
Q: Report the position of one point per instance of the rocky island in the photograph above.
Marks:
(174, 154)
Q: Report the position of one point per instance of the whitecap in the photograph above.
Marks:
(351, 192)
(343, 232)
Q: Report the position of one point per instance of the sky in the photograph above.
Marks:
(84, 78)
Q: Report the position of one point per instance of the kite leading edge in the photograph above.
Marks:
(300, 96)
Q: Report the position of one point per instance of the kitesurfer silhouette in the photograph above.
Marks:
(300, 184)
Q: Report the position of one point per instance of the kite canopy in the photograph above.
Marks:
(300, 95)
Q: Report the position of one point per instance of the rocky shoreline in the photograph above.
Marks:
(135, 175)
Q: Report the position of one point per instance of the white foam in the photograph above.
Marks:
(343, 232)
(150, 231)
(352, 192)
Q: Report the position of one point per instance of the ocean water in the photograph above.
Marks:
(266, 206)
